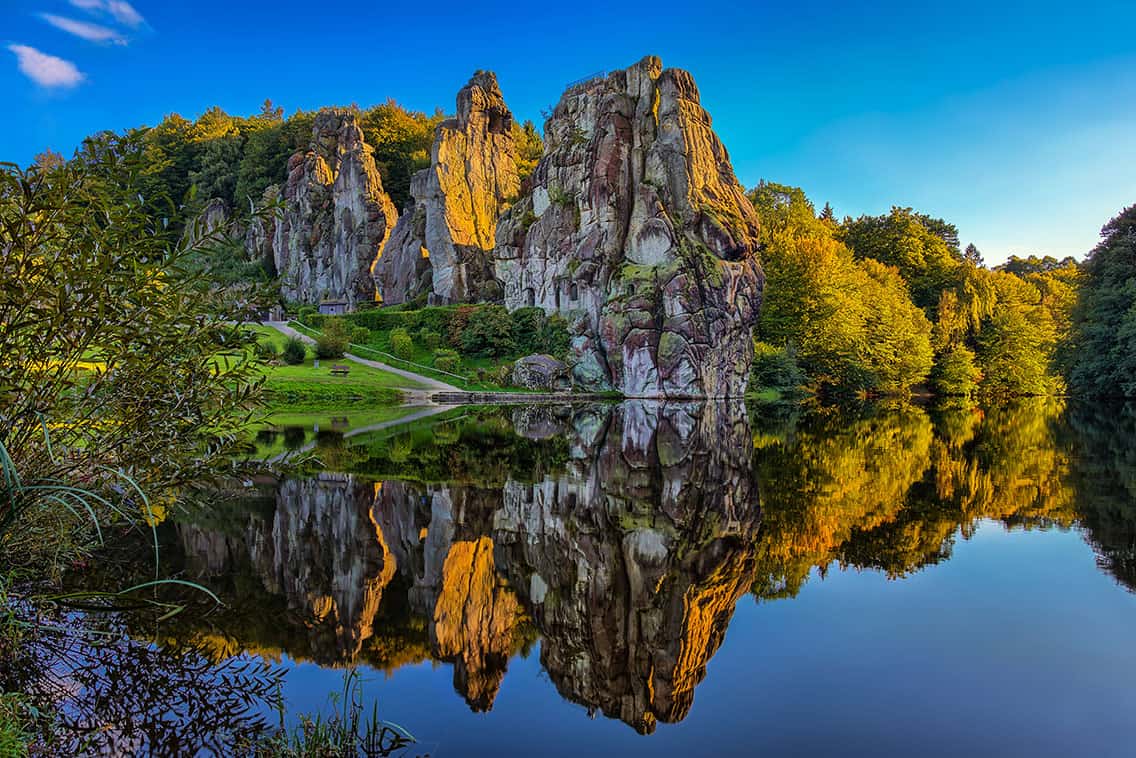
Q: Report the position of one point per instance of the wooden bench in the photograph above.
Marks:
(338, 370)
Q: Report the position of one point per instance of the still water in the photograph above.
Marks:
(694, 579)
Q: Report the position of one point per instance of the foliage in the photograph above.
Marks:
(429, 339)
(529, 148)
(401, 343)
(850, 323)
(401, 140)
(1104, 332)
(133, 361)
(534, 331)
(447, 360)
(489, 331)
(360, 334)
(776, 367)
(295, 352)
(925, 250)
(956, 372)
(334, 339)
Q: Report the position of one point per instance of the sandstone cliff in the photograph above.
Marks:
(637, 229)
(444, 240)
(336, 216)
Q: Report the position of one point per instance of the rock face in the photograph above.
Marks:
(336, 216)
(448, 227)
(541, 372)
(261, 232)
(637, 229)
(213, 219)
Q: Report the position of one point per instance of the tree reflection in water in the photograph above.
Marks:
(114, 696)
(623, 536)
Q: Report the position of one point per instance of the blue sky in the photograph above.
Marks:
(1017, 123)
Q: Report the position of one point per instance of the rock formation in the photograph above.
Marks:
(637, 229)
(444, 240)
(541, 372)
(261, 232)
(336, 216)
(214, 218)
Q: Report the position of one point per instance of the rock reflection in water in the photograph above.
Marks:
(631, 561)
(628, 561)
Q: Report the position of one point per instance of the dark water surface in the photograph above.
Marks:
(697, 579)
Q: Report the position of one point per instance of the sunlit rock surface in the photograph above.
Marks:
(443, 243)
(441, 536)
(336, 218)
(637, 229)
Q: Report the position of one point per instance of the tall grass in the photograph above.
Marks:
(350, 732)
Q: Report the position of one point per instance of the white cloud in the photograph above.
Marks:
(46, 70)
(122, 11)
(83, 30)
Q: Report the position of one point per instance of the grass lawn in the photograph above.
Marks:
(378, 349)
(306, 386)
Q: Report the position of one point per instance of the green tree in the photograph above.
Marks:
(136, 367)
(529, 148)
(851, 324)
(1104, 332)
(925, 250)
(334, 339)
(401, 140)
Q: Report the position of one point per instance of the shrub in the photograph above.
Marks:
(401, 343)
(527, 325)
(458, 321)
(503, 376)
(446, 360)
(305, 313)
(429, 339)
(555, 338)
(360, 335)
(294, 351)
(332, 343)
(775, 367)
(265, 351)
(489, 331)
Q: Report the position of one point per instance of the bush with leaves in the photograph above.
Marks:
(333, 340)
(447, 360)
(488, 332)
(134, 361)
(429, 339)
(360, 335)
(401, 343)
(295, 352)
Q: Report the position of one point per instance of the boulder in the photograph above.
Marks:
(541, 372)
(637, 230)
(335, 218)
(448, 226)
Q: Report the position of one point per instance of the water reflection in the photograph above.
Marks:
(623, 536)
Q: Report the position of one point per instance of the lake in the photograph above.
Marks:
(688, 579)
